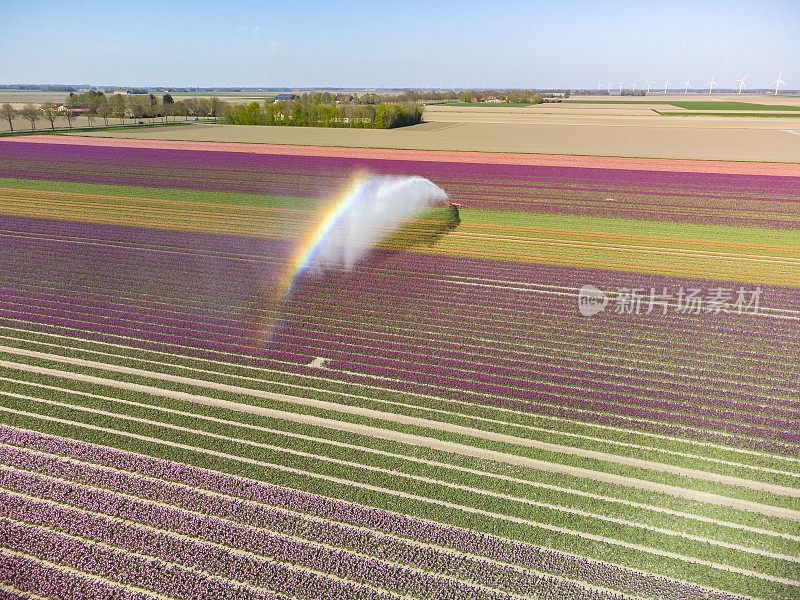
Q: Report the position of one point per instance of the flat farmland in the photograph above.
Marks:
(437, 422)
(541, 129)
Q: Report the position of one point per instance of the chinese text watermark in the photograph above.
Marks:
(669, 300)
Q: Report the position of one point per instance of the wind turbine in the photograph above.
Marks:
(599, 85)
(666, 85)
(620, 86)
(711, 84)
(649, 83)
(609, 87)
(778, 82)
(688, 83)
(741, 82)
(633, 86)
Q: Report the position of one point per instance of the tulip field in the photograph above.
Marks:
(440, 422)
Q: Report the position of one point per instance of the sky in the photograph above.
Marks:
(408, 43)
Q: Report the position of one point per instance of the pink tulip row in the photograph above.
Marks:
(121, 567)
(46, 581)
(419, 530)
(431, 560)
(638, 193)
(610, 397)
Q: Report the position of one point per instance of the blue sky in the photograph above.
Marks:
(408, 43)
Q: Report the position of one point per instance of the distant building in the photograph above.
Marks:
(122, 91)
(76, 109)
(281, 97)
(344, 97)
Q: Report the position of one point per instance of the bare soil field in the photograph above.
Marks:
(595, 126)
(701, 138)
(18, 98)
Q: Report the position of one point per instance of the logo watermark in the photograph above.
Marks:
(676, 300)
(591, 300)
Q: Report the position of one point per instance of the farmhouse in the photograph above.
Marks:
(74, 109)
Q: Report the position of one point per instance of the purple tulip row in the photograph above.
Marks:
(387, 347)
(448, 349)
(555, 402)
(195, 553)
(416, 529)
(407, 356)
(612, 396)
(469, 304)
(52, 582)
(218, 323)
(426, 270)
(177, 346)
(120, 566)
(391, 263)
(505, 577)
(515, 187)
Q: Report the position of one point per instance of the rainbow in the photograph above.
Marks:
(303, 257)
(317, 246)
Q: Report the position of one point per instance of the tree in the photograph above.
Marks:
(8, 112)
(91, 99)
(32, 113)
(89, 117)
(179, 109)
(135, 108)
(117, 104)
(167, 99)
(70, 116)
(217, 107)
(203, 107)
(192, 106)
(104, 110)
(50, 113)
(245, 114)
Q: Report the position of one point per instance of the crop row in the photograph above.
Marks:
(514, 187)
(321, 558)
(256, 250)
(525, 411)
(546, 506)
(244, 521)
(356, 307)
(557, 394)
(560, 458)
(531, 480)
(457, 290)
(124, 567)
(253, 379)
(666, 451)
(421, 531)
(478, 429)
(504, 372)
(49, 581)
(636, 558)
(760, 366)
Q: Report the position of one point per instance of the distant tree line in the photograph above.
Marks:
(96, 105)
(512, 96)
(323, 109)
